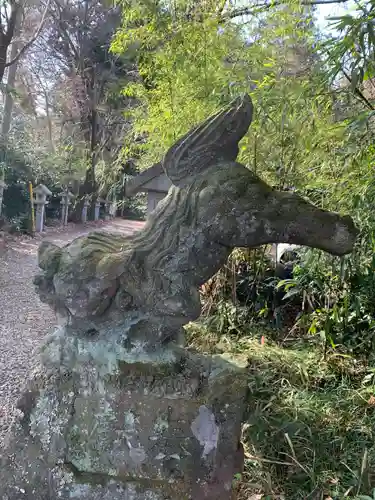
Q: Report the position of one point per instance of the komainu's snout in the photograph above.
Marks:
(302, 223)
(331, 232)
(345, 235)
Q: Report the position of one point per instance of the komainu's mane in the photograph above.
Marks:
(213, 142)
(92, 267)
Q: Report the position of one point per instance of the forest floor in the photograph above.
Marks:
(24, 320)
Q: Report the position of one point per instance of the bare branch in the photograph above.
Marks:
(62, 29)
(32, 39)
(357, 91)
(257, 8)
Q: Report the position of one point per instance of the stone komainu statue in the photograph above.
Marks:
(114, 411)
(149, 282)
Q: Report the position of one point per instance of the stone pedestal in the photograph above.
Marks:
(66, 199)
(85, 207)
(113, 209)
(40, 201)
(98, 203)
(39, 217)
(104, 422)
(110, 210)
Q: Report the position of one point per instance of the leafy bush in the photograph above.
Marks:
(246, 292)
(338, 295)
(20, 224)
(328, 298)
(338, 307)
(134, 208)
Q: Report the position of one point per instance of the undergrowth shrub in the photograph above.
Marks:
(246, 292)
(20, 224)
(309, 427)
(338, 295)
(325, 298)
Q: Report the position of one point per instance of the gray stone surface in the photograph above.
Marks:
(152, 181)
(98, 419)
(97, 206)
(153, 198)
(66, 200)
(118, 409)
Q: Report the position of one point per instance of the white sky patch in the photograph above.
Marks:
(323, 12)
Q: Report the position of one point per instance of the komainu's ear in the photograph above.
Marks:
(214, 141)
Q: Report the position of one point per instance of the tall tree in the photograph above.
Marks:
(10, 12)
(78, 40)
(12, 16)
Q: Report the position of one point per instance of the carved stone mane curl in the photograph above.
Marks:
(160, 238)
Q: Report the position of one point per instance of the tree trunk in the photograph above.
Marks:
(49, 122)
(89, 187)
(8, 105)
(3, 57)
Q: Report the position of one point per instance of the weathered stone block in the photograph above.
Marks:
(103, 421)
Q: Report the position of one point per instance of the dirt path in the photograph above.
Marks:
(24, 320)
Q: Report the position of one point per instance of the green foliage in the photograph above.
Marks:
(20, 224)
(191, 62)
(309, 429)
(351, 52)
(341, 311)
(328, 300)
(183, 69)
